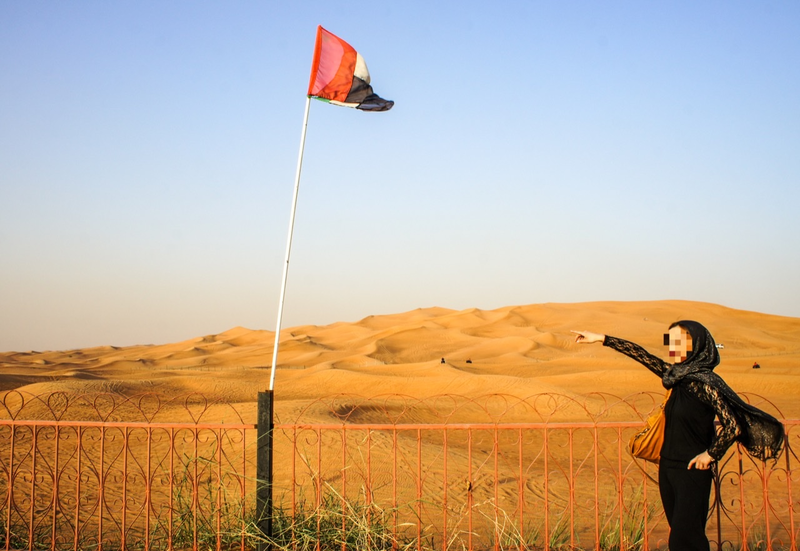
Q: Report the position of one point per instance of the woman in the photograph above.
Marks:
(691, 443)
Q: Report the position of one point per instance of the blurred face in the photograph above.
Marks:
(680, 344)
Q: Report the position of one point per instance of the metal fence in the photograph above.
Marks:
(107, 471)
(392, 472)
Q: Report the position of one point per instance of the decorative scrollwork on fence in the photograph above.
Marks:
(113, 407)
(108, 470)
(468, 471)
(114, 471)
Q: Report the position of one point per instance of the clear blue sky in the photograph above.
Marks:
(541, 151)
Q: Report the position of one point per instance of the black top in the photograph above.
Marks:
(689, 428)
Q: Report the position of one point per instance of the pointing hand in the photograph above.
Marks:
(587, 337)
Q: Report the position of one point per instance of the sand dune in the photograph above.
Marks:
(517, 350)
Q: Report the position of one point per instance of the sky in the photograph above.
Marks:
(538, 151)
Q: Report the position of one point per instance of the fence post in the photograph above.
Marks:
(264, 467)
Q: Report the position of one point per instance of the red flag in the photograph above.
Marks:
(340, 76)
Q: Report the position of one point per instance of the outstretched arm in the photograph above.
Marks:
(630, 349)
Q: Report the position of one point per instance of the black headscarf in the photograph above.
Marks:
(760, 433)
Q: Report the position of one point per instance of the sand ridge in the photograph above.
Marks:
(515, 350)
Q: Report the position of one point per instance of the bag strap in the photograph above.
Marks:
(641, 467)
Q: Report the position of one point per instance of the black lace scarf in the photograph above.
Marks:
(761, 434)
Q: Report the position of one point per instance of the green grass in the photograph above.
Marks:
(630, 531)
(215, 516)
(334, 524)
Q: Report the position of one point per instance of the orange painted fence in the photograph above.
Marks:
(106, 471)
(393, 472)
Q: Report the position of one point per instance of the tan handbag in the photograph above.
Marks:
(646, 444)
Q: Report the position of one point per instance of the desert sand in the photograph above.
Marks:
(517, 351)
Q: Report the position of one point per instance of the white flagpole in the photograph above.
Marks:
(288, 247)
